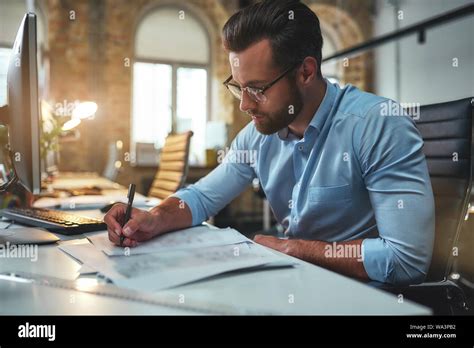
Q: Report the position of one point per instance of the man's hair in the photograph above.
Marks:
(291, 27)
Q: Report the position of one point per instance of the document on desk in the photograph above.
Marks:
(86, 269)
(153, 272)
(189, 238)
(165, 269)
(92, 259)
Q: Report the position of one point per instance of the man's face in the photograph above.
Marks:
(254, 67)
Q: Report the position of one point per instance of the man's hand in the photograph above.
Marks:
(142, 225)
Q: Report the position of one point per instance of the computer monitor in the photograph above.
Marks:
(22, 110)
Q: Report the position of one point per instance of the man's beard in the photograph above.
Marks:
(275, 121)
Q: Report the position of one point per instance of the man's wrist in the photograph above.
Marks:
(292, 247)
(156, 214)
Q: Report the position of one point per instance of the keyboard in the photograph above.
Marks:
(54, 220)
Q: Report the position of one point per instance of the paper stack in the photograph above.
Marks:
(172, 259)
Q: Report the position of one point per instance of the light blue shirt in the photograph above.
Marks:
(358, 173)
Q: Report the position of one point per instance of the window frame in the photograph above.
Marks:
(5, 46)
(175, 64)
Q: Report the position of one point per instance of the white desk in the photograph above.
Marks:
(303, 290)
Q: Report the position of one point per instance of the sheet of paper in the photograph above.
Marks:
(179, 260)
(93, 259)
(153, 272)
(190, 238)
(86, 269)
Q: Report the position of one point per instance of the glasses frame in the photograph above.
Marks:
(261, 90)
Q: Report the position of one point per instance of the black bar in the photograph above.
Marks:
(412, 29)
(193, 330)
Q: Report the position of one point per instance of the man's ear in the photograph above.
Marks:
(309, 70)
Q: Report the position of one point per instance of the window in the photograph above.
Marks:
(4, 58)
(191, 108)
(171, 80)
(152, 117)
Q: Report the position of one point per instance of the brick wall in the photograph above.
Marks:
(89, 49)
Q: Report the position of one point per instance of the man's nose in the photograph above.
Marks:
(247, 103)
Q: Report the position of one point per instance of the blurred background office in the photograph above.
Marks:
(154, 67)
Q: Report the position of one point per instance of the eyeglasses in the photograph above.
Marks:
(257, 94)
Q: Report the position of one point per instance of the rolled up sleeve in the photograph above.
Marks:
(396, 176)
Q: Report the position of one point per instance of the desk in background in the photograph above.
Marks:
(107, 192)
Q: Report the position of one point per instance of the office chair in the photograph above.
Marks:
(173, 169)
(447, 130)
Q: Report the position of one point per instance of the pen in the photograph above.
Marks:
(131, 194)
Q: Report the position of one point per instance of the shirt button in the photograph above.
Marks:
(295, 220)
(300, 147)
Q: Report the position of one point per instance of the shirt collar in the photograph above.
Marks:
(320, 115)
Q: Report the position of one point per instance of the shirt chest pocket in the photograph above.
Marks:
(327, 194)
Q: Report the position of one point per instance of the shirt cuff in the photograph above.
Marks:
(378, 259)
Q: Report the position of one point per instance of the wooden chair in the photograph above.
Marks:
(173, 168)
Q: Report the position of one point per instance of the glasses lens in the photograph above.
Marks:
(257, 95)
(235, 91)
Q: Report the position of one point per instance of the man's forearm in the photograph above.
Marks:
(173, 214)
(341, 257)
